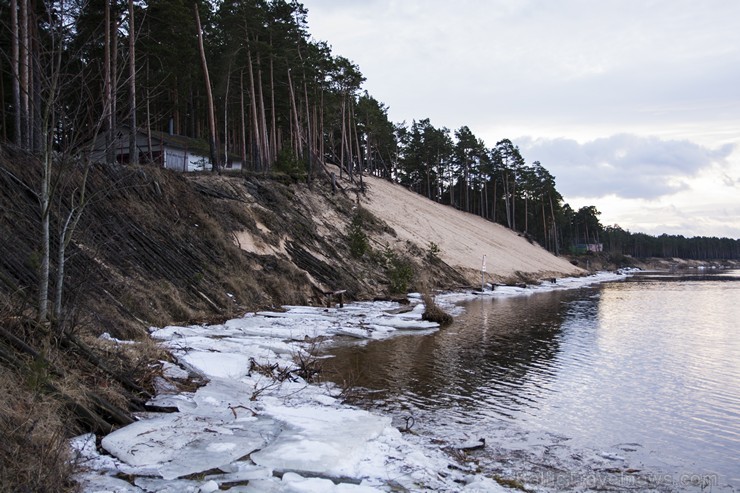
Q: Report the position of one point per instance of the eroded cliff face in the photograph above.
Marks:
(155, 247)
(309, 228)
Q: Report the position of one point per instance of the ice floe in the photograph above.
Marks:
(258, 426)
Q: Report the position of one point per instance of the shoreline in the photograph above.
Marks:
(293, 431)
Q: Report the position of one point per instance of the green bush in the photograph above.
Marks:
(400, 271)
(288, 163)
(433, 252)
(358, 241)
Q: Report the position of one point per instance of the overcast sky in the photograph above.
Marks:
(634, 106)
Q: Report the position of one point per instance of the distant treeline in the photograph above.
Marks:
(247, 79)
(617, 240)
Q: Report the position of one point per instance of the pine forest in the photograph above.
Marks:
(248, 82)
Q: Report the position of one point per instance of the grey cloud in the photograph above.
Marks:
(624, 165)
(730, 181)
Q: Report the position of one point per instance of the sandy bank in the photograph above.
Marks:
(463, 238)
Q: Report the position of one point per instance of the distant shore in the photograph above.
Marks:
(604, 261)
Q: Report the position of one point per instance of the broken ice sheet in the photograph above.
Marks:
(181, 444)
(85, 454)
(210, 364)
(295, 483)
(170, 370)
(93, 482)
(320, 440)
(300, 427)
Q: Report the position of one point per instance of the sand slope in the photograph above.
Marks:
(462, 238)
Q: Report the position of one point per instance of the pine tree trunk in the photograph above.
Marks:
(24, 72)
(452, 188)
(226, 117)
(243, 119)
(484, 204)
(513, 205)
(344, 136)
(209, 96)
(15, 70)
(177, 126)
(114, 75)
(35, 124)
(3, 111)
(255, 119)
(273, 133)
(322, 149)
(107, 91)
(348, 139)
(469, 196)
(296, 137)
(263, 119)
(309, 134)
(133, 151)
(494, 201)
(360, 167)
(149, 121)
(544, 227)
(506, 201)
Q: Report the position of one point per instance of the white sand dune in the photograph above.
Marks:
(463, 238)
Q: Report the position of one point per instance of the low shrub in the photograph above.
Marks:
(433, 252)
(400, 271)
(356, 237)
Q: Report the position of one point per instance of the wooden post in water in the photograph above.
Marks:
(483, 274)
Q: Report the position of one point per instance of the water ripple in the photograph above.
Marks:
(652, 363)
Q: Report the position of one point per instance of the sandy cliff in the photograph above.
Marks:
(463, 238)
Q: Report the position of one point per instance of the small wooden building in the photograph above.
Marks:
(582, 248)
(175, 152)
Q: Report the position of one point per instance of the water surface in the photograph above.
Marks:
(626, 384)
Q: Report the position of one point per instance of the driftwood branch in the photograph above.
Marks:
(124, 309)
(110, 411)
(18, 343)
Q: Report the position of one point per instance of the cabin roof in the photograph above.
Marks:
(198, 146)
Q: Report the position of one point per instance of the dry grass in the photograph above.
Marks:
(53, 390)
(432, 311)
(139, 360)
(522, 278)
(34, 456)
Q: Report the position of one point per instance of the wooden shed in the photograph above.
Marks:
(175, 152)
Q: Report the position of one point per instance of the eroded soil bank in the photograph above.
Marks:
(154, 248)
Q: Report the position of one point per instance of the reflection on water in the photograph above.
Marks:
(652, 363)
(488, 359)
